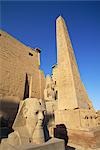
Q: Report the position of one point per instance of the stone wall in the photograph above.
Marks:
(42, 84)
(76, 119)
(18, 64)
(87, 118)
(98, 118)
(70, 118)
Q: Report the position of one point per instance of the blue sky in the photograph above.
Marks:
(33, 23)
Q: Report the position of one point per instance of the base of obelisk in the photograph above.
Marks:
(80, 128)
(84, 139)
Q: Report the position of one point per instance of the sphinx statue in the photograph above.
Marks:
(27, 125)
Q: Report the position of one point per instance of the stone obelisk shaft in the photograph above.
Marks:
(71, 91)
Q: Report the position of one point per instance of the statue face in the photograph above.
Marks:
(33, 113)
(29, 114)
(32, 109)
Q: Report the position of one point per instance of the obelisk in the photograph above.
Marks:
(71, 91)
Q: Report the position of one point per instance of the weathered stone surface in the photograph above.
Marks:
(52, 144)
(71, 91)
(18, 61)
(73, 101)
(28, 124)
(75, 110)
(29, 120)
(49, 91)
(86, 140)
(77, 119)
(20, 76)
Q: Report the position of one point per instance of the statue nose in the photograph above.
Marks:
(40, 116)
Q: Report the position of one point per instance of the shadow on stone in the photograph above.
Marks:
(26, 90)
(70, 148)
(8, 111)
(61, 132)
(45, 128)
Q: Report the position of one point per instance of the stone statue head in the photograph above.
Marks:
(29, 115)
(28, 124)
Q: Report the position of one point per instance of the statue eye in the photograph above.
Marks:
(37, 112)
(39, 103)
